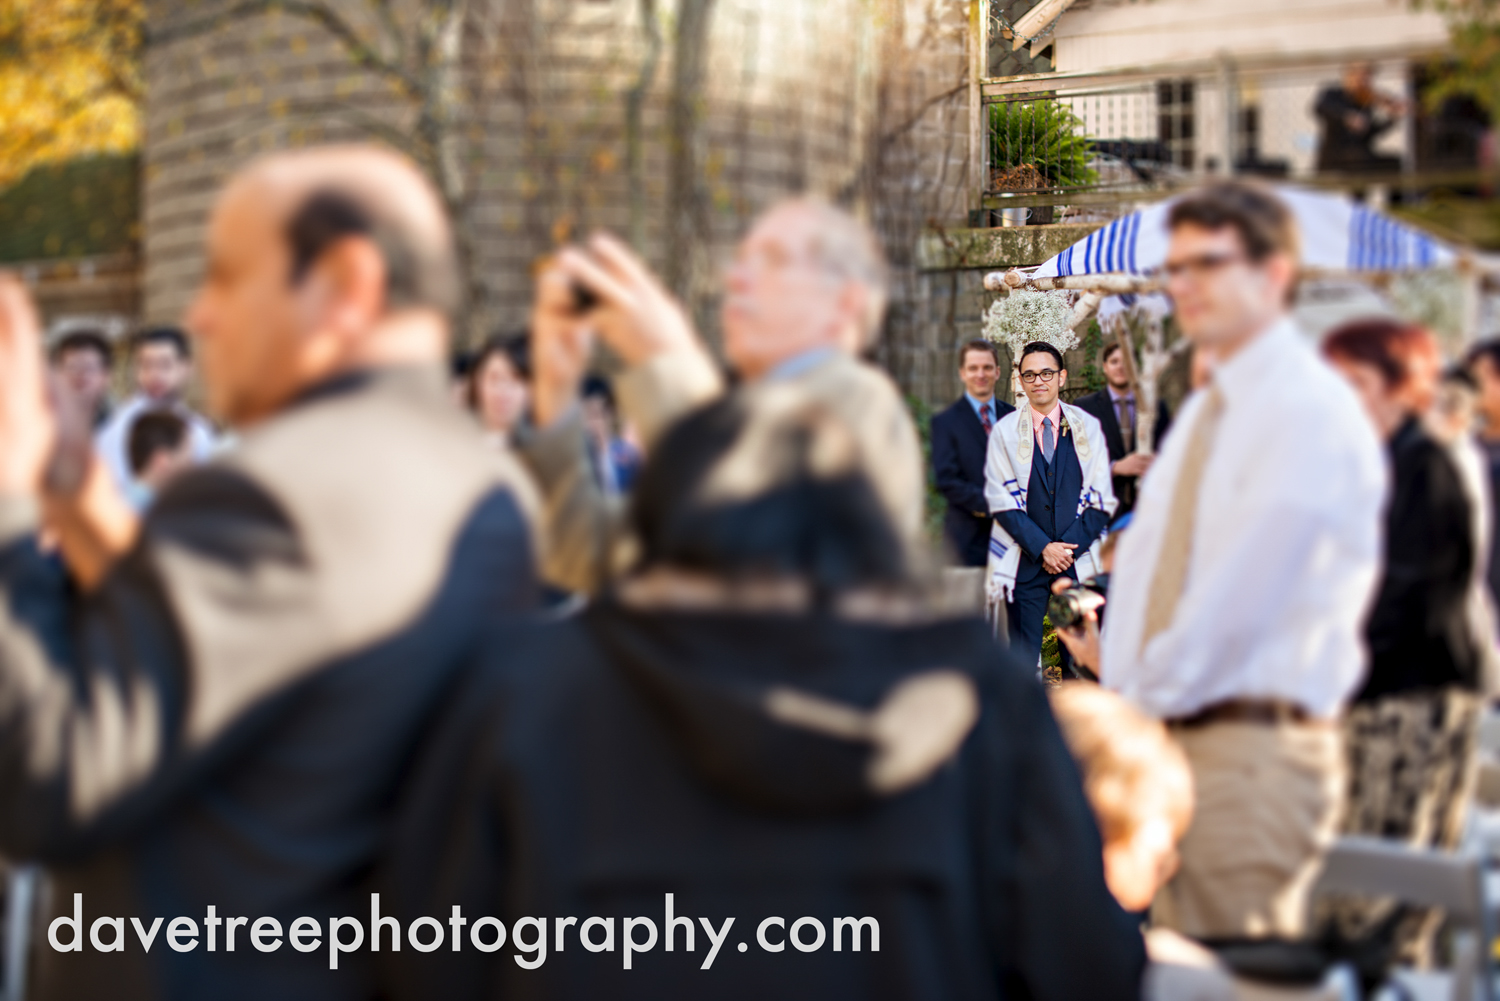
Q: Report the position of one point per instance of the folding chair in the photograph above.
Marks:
(1370, 867)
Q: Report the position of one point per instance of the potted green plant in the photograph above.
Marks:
(1038, 144)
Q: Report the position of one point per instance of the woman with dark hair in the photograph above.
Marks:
(499, 387)
(758, 729)
(1410, 734)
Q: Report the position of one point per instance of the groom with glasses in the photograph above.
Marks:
(1047, 481)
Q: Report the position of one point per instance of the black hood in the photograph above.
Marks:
(778, 711)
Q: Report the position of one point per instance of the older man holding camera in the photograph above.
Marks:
(805, 296)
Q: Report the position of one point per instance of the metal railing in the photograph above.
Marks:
(1085, 146)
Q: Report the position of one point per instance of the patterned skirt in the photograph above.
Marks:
(1411, 761)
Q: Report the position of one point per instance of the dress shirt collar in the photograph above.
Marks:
(979, 407)
(1240, 378)
(1037, 417)
(797, 364)
(1115, 396)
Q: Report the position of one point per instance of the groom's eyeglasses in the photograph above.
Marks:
(1044, 374)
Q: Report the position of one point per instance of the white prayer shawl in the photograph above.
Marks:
(1007, 473)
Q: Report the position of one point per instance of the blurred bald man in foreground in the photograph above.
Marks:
(804, 298)
(214, 731)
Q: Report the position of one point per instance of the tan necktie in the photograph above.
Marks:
(1176, 545)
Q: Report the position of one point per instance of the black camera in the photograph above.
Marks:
(584, 299)
(1068, 607)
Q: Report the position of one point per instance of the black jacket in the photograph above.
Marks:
(959, 448)
(224, 722)
(1418, 630)
(1343, 148)
(599, 765)
(1103, 408)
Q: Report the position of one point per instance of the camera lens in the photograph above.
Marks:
(583, 299)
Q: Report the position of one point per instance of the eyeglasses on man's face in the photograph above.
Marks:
(1044, 374)
(1197, 267)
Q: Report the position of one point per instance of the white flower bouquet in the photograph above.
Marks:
(1024, 316)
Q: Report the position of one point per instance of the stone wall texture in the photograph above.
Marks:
(856, 100)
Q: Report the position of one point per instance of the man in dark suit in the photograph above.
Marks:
(1114, 408)
(222, 719)
(960, 435)
(1054, 529)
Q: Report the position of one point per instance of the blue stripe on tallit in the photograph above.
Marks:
(1377, 243)
(998, 549)
(1359, 241)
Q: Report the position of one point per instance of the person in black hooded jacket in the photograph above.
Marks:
(742, 751)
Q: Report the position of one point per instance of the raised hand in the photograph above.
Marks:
(561, 343)
(636, 315)
(28, 429)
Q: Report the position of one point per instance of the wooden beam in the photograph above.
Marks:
(979, 55)
(1253, 62)
(1035, 20)
(1120, 283)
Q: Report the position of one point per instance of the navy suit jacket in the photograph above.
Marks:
(1051, 513)
(1101, 406)
(959, 447)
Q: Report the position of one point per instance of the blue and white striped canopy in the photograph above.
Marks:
(1337, 234)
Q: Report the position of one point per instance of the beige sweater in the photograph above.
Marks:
(584, 540)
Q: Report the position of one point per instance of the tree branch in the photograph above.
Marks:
(407, 141)
(886, 138)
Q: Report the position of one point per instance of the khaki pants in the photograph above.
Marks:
(1268, 803)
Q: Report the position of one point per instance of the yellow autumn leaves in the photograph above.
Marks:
(70, 81)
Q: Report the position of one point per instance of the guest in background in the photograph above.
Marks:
(83, 360)
(499, 387)
(960, 436)
(1410, 734)
(1484, 365)
(159, 449)
(615, 458)
(1114, 407)
(161, 365)
(1354, 115)
(1451, 422)
(1240, 590)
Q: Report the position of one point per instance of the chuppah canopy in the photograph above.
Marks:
(1337, 233)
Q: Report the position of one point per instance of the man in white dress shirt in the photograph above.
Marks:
(1239, 591)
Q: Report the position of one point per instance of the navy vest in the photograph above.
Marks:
(1052, 495)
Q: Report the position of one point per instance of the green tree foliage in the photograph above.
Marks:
(1040, 139)
(1471, 67)
(70, 82)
